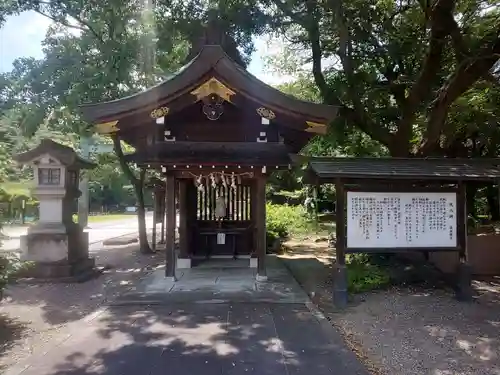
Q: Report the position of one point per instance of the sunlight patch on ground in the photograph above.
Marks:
(203, 338)
(104, 218)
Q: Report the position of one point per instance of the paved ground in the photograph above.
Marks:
(213, 322)
(208, 339)
(98, 232)
(218, 281)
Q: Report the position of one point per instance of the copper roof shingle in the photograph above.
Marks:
(406, 168)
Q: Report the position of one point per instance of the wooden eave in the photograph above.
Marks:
(211, 62)
(328, 170)
(213, 154)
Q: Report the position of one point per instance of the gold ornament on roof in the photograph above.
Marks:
(159, 112)
(316, 127)
(107, 127)
(211, 87)
(266, 113)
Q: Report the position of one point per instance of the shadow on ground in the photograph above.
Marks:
(62, 303)
(11, 330)
(44, 310)
(209, 339)
(414, 329)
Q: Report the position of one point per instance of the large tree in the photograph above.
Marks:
(395, 68)
(98, 51)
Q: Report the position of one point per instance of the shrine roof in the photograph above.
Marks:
(64, 154)
(214, 153)
(451, 169)
(211, 62)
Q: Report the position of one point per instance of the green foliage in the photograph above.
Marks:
(285, 220)
(10, 264)
(109, 187)
(399, 77)
(363, 274)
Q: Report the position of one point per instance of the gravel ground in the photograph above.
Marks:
(407, 332)
(34, 317)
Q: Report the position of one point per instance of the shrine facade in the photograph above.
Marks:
(215, 132)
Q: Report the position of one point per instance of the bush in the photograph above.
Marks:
(10, 265)
(284, 220)
(364, 274)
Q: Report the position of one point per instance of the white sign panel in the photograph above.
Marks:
(399, 220)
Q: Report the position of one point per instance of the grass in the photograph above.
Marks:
(104, 218)
(364, 274)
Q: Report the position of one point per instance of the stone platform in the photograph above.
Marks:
(217, 281)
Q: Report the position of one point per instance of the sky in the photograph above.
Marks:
(22, 35)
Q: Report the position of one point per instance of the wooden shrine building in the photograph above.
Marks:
(216, 133)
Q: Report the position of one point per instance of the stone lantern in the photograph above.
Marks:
(58, 247)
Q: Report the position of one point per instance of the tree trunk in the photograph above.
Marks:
(141, 214)
(138, 184)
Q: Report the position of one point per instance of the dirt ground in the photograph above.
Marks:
(32, 317)
(406, 331)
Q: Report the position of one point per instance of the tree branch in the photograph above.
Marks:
(358, 115)
(355, 116)
(84, 25)
(60, 21)
(422, 88)
(466, 74)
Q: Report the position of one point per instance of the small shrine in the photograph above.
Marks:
(215, 133)
(57, 246)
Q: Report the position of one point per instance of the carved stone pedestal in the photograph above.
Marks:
(57, 256)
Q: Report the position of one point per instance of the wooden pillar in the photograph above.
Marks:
(162, 205)
(170, 227)
(165, 217)
(253, 219)
(192, 214)
(260, 221)
(155, 216)
(340, 276)
(184, 260)
(464, 272)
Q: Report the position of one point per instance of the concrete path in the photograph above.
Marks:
(218, 281)
(210, 339)
(216, 320)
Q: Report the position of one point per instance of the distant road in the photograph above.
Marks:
(98, 231)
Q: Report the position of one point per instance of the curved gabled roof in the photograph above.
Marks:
(211, 61)
(64, 154)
